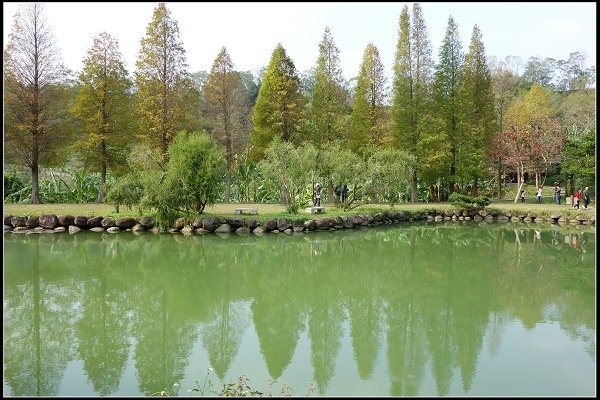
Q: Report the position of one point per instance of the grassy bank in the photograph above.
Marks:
(276, 210)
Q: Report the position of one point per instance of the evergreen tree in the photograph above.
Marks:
(102, 104)
(477, 118)
(225, 105)
(36, 125)
(279, 108)
(411, 105)
(166, 99)
(446, 83)
(329, 102)
(368, 128)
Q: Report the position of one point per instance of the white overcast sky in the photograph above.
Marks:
(250, 31)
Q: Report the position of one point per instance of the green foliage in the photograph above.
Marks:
(285, 167)
(389, 172)
(15, 190)
(348, 168)
(279, 109)
(127, 191)
(580, 158)
(469, 203)
(193, 177)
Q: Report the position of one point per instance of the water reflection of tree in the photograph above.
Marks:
(228, 317)
(323, 301)
(38, 332)
(103, 329)
(277, 314)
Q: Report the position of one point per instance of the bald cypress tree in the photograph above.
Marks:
(412, 87)
(225, 106)
(36, 123)
(368, 129)
(102, 104)
(166, 99)
(477, 118)
(329, 106)
(447, 80)
(279, 109)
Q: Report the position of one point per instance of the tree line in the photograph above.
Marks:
(456, 126)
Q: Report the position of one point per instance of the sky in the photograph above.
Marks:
(251, 31)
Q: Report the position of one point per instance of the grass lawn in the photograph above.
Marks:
(276, 210)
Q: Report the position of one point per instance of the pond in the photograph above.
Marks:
(414, 309)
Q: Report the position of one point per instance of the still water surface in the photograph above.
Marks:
(405, 310)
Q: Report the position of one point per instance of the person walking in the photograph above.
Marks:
(522, 196)
(576, 198)
(538, 196)
(586, 197)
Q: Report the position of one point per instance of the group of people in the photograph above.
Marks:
(577, 196)
(340, 191)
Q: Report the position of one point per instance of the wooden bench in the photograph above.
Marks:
(246, 211)
(315, 210)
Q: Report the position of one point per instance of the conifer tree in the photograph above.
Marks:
(225, 105)
(35, 95)
(329, 103)
(166, 98)
(412, 99)
(279, 109)
(368, 128)
(477, 119)
(446, 83)
(102, 104)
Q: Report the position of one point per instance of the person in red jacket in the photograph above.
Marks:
(576, 198)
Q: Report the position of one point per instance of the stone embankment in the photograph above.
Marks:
(50, 223)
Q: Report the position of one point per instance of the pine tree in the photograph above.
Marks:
(102, 104)
(446, 83)
(411, 105)
(35, 95)
(166, 98)
(279, 109)
(477, 117)
(225, 105)
(329, 103)
(368, 128)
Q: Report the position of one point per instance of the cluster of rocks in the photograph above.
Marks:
(50, 223)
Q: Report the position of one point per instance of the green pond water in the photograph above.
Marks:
(414, 309)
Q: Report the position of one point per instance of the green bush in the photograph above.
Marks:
(469, 203)
(15, 191)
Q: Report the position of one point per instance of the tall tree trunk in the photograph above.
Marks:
(521, 180)
(413, 195)
(227, 185)
(35, 186)
(475, 189)
(100, 198)
(500, 179)
(453, 185)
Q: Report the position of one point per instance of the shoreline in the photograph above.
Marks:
(51, 223)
